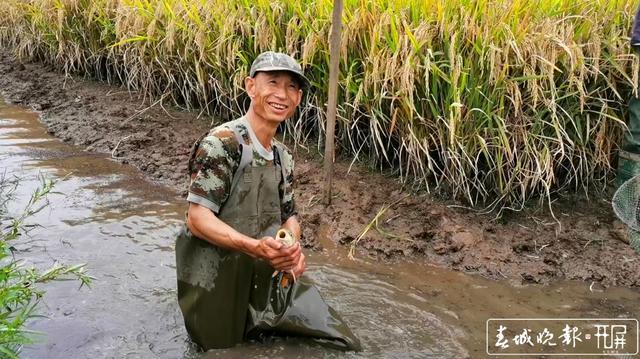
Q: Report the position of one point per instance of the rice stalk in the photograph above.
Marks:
(493, 101)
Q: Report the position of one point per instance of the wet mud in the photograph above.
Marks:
(585, 243)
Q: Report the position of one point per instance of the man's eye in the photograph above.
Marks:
(273, 82)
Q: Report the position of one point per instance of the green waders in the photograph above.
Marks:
(629, 155)
(227, 296)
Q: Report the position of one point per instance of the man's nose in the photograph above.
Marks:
(281, 91)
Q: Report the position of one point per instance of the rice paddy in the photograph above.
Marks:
(496, 102)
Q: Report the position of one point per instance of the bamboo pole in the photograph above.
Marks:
(334, 60)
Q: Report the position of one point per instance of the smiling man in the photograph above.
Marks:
(241, 194)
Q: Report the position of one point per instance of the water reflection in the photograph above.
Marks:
(123, 226)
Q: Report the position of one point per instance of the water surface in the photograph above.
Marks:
(109, 216)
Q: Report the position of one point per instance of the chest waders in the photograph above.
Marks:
(227, 297)
(629, 154)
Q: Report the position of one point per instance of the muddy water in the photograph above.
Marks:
(107, 215)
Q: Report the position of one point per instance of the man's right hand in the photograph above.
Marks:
(280, 257)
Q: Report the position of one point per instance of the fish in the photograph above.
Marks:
(287, 239)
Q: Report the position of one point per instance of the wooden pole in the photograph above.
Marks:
(334, 61)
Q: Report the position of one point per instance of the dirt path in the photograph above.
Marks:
(527, 246)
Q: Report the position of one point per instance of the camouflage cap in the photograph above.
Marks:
(277, 61)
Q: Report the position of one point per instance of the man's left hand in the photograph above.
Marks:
(300, 267)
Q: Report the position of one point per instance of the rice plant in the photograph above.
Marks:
(495, 101)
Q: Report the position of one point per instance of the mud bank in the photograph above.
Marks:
(529, 246)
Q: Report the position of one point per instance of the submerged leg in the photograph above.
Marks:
(297, 310)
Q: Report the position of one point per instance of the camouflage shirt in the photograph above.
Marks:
(217, 158)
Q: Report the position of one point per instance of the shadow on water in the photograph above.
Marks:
(107, 215)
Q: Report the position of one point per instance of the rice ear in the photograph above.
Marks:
(494, 102)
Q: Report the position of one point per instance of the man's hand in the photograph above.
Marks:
(300, 267)
(281, 258)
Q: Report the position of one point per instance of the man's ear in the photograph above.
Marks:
(299, 97)
(250, 86)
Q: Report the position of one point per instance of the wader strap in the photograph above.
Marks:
(279, 150)
(246, 157)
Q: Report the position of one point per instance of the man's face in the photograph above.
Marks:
(274, 95)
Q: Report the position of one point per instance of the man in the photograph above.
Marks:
(629, 155)
(240, 195)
